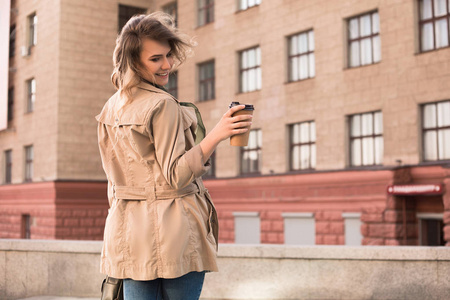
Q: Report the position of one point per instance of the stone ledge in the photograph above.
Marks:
(256, 251)
(60, 246)
(336, 252)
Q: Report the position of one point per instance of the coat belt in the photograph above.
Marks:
(150, 193)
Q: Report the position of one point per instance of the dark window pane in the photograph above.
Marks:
(126, 12)
(10, 104)
(12, 40)
(172, 10)
(206, 81)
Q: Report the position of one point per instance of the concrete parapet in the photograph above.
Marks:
(70, 268)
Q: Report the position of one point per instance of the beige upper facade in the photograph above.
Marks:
(72, 64)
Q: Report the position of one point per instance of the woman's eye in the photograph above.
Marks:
(155, 59)
(169, 54)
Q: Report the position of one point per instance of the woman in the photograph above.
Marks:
(161, 230)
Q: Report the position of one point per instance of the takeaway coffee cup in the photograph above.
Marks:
(241, 140)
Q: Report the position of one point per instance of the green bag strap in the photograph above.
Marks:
(200, 132)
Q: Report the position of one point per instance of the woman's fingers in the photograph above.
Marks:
(239, 131)
(234, 109)
(241, 118)
(241, 124)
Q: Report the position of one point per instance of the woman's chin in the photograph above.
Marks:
(162, 82)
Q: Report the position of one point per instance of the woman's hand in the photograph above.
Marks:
(226, 127)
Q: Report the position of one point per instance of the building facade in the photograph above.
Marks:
(350, 141)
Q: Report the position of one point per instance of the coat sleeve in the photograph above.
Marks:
(179, 167)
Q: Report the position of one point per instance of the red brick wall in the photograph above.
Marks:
(77, 210)
(328, 195)
(58, 210)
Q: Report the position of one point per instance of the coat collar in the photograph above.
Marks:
(149, 87)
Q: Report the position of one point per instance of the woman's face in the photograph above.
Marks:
(157, 60)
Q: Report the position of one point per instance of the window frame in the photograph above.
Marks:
(29, 163)
(204, 10)
(299, 55)
(202, 83)
(352, 234)
(436, 129)
(433, 21)
(32, 30)
(305, 223)
(8, 166)
(361, 137)
(248, 69)
(371, 36)
(25, 228)
(243, 233)
(31, 96)
(245, 149)
(240, 6)
(292, 145)
(12, 40)
(424, 217)
(10, 106)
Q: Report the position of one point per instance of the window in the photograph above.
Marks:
(366, 139)
(301, 56)
(250, 70)
(299, 228)
(247, 228)
(29, 163)
(172, 84)
(436, 131)
(431, 229)
(126, 12)
(206, 81)
(212, 170)
(245, 4)
(434, 24)
(205, 12)
(8, 166)
(10, 104)
(32, 30)
(352, 225)
(25, 227)
(251, 154)
(303, 146)
(364, 45)
(31, 94)
(12, 40)
(171, 9)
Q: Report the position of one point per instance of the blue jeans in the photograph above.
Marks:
(186, 287)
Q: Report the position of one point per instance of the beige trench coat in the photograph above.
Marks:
(161, 222)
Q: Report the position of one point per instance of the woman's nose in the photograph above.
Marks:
(166, 64)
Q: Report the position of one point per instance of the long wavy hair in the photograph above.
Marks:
(157, 26)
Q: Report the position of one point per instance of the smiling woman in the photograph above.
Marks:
(157, 61)
(143, 37)
(161, 231)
